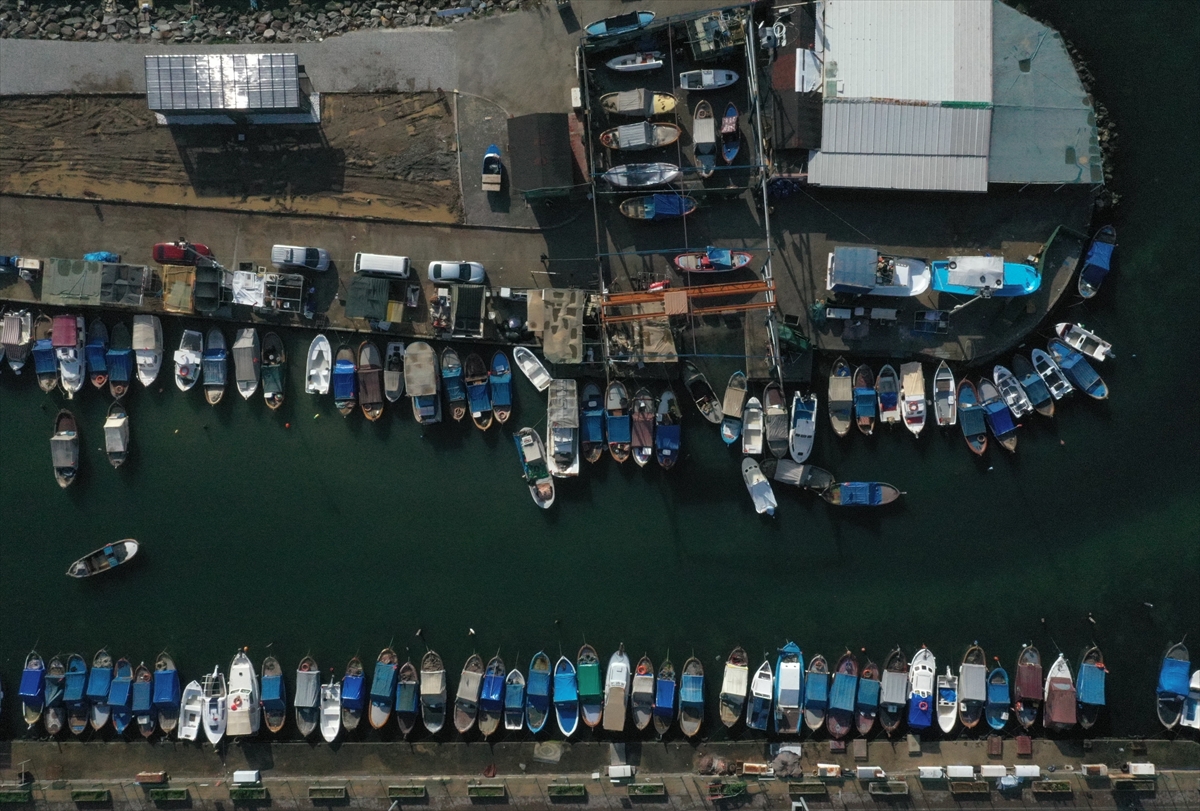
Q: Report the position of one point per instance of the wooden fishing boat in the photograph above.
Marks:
(731, 136)
(668, 430)
(99, 685)
(537, 692)
(214, 366)
(478, 401)
(147, 347)
(947, 701)
(274, 370)
(995, 711)
(704, 138)
(762, 692)
(663, 710)
(803, 426)
(75, 693)
(69, 337)
(245, 699)
(1061, 700)
(642, 427)
(733, 687)
(887, 387)
(345, 381)
(408, 698)
(53, 713)
(116, 434)
(528, 363)
(654, 207)
(640, 136)
(619, 24)
(841, 397)
(103, 559)
(215, 705)
(893, 690)
(433, 692)
(119, 360)
(809, 477)
(64, 448)
(500, 387)
(616, 692)
(706, 79)
(331, 710)
(922, 673)
(639, 103)
(1098, 261)
(307, 702)
(972, 422)
(1028, 694)
(352, 694)
(120, 694)
(45, 362)
(370, 380)
(247, 361)
(861, 494)
(617, 423)
(592, 430)
(912, 396)
(167, 703)
(1049, 372)
(32, 689)
(712, 260)
(454, 385)
(1077, 370)
(274, 695)
(393, 371)
(816, 693)
(532, 454)
(566, 697)
(945, 408)
(188, 359)
(1084, 341)
(789, 689)
(1089, 686)
(514, 701)
(16, 338)
(840, 717)
(759, 488)
(691, 697)
(95, 353)
(491, 697)
(1011, 392)
(466, 700)
(866, 703)
(972, 686)
(702, 393)
(752, 428)
(642, 175)
(998, 416)
(775, 420)
(1173, 685)
(1033, 384)
(383, 688)
(636, 62)
(590, 689)
(864, 399)
(732, 406)
(562, 427)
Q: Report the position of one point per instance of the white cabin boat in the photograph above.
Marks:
(187, 359)
(562, 415)
(1085, 341)
(1049, 372)
(760, 489)
(116, 434)
(191, 711)
(147, 347)
(245, 711)
(804, 426)
(1011, 392)
(247, 360)
(947, 701)
(317, 368)
(616, 692)
(69, 338)
(866, 271)
(216, 707)
(753, 424)
(912, 396)
(789, 684)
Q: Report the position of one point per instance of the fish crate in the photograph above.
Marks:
(1134, 784)
(969, 787)
(487, 791)
(15, 795)
(566, 790)
(91, 795)
(406, 792)
(807, 788)
(326, 792)
(721, 790)
(169, 795)
(1057, 789)
(646, 789)
(245, 793)
(888, 788)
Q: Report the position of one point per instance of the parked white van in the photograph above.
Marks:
(378, 264)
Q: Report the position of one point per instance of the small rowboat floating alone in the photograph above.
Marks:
(106, 557)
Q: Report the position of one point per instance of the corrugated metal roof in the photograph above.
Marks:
(208, 82)
(921, 172)
(921, 50)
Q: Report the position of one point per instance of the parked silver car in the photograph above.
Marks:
(456, 271)
(291, 256)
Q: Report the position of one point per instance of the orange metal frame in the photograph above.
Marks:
(700, 292)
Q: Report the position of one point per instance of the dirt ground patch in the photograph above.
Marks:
(390, 156)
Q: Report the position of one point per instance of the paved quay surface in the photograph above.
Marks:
(527, 770)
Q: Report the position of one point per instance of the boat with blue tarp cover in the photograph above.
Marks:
(143, 703)
(617, 422)
(664, 697)
(864, 399)
(537, 692)
(619, 24)
(971, 417)
(345, 381)
(893, 690)
(816, 692)
(119, 360)
(589, 685)
(491, 696)
(566, 697)
(98, 684)
(789, 689)
(654, 207)
(762, 690)
(691, 697)
(352, 694)
(433, 692)
(45, 362)
(274, 694)
(921, 675)
(713, 260)
(998, 699)
(75, 693)
(1172, 688)
(500, 387)
(454, 384)
(860, 494)
(166, 692)
(383, 688)
(1098, 261)
(866, 702)
(998, 415)
(972, 275)
(1035, 387)
(478, 401)
(514, 700)
(53, 712)
(592, 430)
(95, 353)
(307, 702)
(1076, 369)
(840, 716)
(408, 697)
(668, 430)
(120, 693)
(32, 688)
(244, 698)
(1089, 686)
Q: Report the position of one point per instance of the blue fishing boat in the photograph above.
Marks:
(143, 700)
(345, 381)
(500, 387)
(865, 399)
(352, 694)
(655, 207)
(998, 415)
(99, 681)
(75, 693)
(1173, 685)
(493, 169)
(866, 702)
(273, 695)
(816, 693)
(1035, 387)
(514, 701)
(1077, 370)
(383, 688)
(840, 717)
(972, 275)
(921, 676)
(762, 691)
(119, 360)
(619, 24)
(32, 688)
(998, 699)
(971, 417)
(860, 494)
(668, 430)
(618, 424)
(120, 696)
(53, 713)
(537, 692)
(691, 697)
(664, 697)
(491, 696)
(96, 353)
(789, 689)
(455, 386)
(478, 401)
(166, 692)
(566, 697)
(592, 425)
(408, 697)
(1089, 686)
(45, 362)
(1098, 261)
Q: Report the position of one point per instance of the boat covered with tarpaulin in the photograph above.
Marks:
(1089, 686)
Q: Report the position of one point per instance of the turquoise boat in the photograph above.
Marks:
(972, 275)
(500, 387)
(998, 699)
(120, 694)
(619, 24)
(537, 692)
(691, 697)
(566, 697)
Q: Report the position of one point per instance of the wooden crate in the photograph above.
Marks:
(969, 787)
(326, 792)
(169, 795)
(406, 792)
(91, 795)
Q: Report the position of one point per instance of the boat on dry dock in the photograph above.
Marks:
(639, 103)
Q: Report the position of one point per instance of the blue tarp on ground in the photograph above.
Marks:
(32, 682)
(1173, 678)
(664, 697)
(97, 684)
(166, 688)
(352, 692)
(493, 691)
(120, 364)
(816, 690)
(102, 256)
(272, 693)
(868, 694)
(619, 428)
(844, 688)
(692, 689)
(142, 691)
(383, 684)
(74, 690)
(565, 688)
(853, 270)
(1090, 684)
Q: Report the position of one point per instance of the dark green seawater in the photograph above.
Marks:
(336, 536)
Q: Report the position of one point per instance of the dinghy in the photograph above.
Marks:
(775, 420)
(663, 712)
(1089, 686)
(1029, 687)
(116, 434)
(331, 710)
(1060, 698)
(995, 711)
(188, 359)
(454, 384)
(640, 136)
(732, 406)
(617, 423)
(383, 688)
(893, 690)
(566, 697)
(945, 406)
(466, 700)
(789, 689)
(592, 411)
(808, 477)
(478, 402)
(393, 371)
(32, 689)
(307, 702)
(16, 337)
(804, 426)
(433, 692)
(166, 692)
(1077, 370)
(500, 387)
(691, 697)
(68, 338)
(840, 717)
(704, 137)
(491, 697)
(972, 686)
(712, 260)
(591, 693)
(147, 347)
(616, 692)
(841, 397)
(759, 488)
(421, 382)
(762, 691)
(1011, 392)
(345, 381)
(514, 701)
(921, 674)
(245, 707)
(654, 207)
(95, 354)
(534, 468)
(816, 693)
(864, 399)
(491, 177)
(887, 386)
(1098, 261)
(1172, 690)
(274, 370)
(562, 417)
(619, 24)
(998, 416)
(214, 366)
(352, 694)
(537, 692)
(1085, 341)
(707, 79)
(408, 698)
(752, 428)
(319, 366)
(54, 713)
(1049, 372)
(192, 711)
(247, 360)
(731, 136)
(64, 448)
(668, 430)
(274, 695)
(528, 363)
(912, 395)
(947, 701)
(639, 103)
(972, 422)
(642, 175)
(702, 393)
(216, 705)
(636, 62)
(370, 380)
(733, 688)
(75, 694)
(642, 426)
(866, 703)
(1035, 387)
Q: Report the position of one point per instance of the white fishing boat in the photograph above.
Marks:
(331, 710)
(1060, 706)
(147, 347)
(912, 395)
(733, 686)
(216, 707)
(319, 366)
(636, 62)
(214, 366)
(466, 699)
(804, 426)
(841, 397)
(947, 701)
(247, 360)
(534, 468)
(642, 695)
(69, 336)
(562, 416)
(642, 175)
(245, 711)
(393, 371)
(616, 691)
(762, 691)
(887, 389)
(116, 434)
(921, 675)
(191, 711)
(732, 406)
(16, 337)
(421, 382)
(945, 407)
(433, 692)
(1085, 341)
(758, 486)
(1049, 372)
(753, 424)
(532, 367)
(187, 359)
(1011, 392)
(706, 79)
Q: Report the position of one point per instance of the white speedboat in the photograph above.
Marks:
(317, 369)
(245, 711)
(331, 711)
(247, 361)
(216, 706)
(752, 427)
(532, 367)
(1010, 390)
(1085, 341)
(760, 489)
(804, 426)
(393, 371)
(1053, 377)
(191, 711)
(147, 347)
(69, 334)
(912, 393)
(947, 701)
(616, 691)
(187, 359)
(945, 407)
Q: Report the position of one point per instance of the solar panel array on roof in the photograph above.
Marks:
(221, 82)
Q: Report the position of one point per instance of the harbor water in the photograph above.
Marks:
(300, 532)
